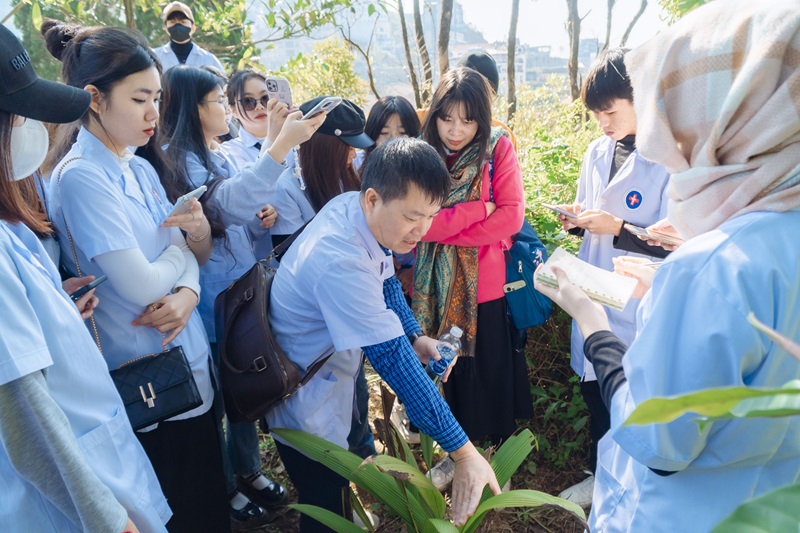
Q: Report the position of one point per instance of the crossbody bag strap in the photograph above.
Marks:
(72, 246)
(75, 253)
(315, 367)
(283, 247)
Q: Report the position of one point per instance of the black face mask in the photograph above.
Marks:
(179, 33)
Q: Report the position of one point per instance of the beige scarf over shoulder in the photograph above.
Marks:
(717, 97)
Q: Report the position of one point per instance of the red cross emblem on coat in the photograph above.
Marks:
(633, 199)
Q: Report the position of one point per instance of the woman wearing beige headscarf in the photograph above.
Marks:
(717, 98)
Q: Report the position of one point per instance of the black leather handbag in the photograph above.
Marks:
(156, 387)
(153, 387)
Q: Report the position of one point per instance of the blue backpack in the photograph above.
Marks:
(527, 306)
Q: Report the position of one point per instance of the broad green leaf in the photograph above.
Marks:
(405, 472)
(519, 498)
(438, 525)
(332, 520)
(784, 342)
(773, 512)
(348, 465)
(371, 10)
(777, 405)
(509, 457)
(710, 403)
(36, 16)
(426, 445)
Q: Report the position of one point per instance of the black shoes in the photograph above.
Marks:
(250, 517)
(273, 495)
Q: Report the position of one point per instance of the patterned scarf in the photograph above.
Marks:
(445, 275)
(717, 98)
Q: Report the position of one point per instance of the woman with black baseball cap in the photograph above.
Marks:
(69, 460)
(324, 167)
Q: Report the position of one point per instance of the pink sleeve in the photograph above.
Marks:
(447, 228)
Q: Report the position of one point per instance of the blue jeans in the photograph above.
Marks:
(239, 442)
(361, 441)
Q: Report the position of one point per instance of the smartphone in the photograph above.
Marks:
(514, 286)
(86, 288)
(653, 236)
(182, 203)
(560, 211)
(326, 104)
(279, 89)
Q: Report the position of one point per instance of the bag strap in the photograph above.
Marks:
(283, 247)
(75, 254)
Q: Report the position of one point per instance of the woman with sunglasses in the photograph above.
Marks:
(193, 110)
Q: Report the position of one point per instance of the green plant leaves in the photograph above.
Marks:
(438, 525)
(520, 498)
(405, 472)
(508, 458)
(773, 512)
(332, 520)
(367, 476)
(721, 403)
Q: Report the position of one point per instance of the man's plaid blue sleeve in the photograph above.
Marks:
(396, 301)
(399, 366)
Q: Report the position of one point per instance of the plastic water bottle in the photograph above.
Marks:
(448, 348)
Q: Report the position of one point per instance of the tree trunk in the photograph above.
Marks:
(638, 14)
(512, 55)
(574, 30)
(444, 37)
(608, 23)
(412, 73)
(427, 72)
(130, 20)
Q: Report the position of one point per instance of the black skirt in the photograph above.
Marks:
(489, 392)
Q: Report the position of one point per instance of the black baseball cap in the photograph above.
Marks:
(480, 60)
(345, 121)
(24, 93)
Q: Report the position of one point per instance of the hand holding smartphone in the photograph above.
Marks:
(326, 104)
(182, 203)
(279, 89)
(77, 295)
(651, 235)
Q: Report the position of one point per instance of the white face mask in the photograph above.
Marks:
(29, 144)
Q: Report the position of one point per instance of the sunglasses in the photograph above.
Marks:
(250, 103)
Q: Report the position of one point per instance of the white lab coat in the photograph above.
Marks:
(637, 194)
(693, 334)
(198, 57)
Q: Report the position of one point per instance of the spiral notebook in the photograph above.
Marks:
(602, 286)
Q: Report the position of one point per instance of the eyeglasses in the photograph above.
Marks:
(221, 101)
(250, 103)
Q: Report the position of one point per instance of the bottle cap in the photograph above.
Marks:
(455, 331)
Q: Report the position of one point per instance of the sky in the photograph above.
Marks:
(543, 22)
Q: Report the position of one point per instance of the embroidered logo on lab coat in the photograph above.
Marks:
(633, 199)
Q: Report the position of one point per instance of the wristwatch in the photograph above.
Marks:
(412, 337)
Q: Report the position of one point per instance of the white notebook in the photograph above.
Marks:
(602, 286)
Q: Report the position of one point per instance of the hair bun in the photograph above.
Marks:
(57, 36)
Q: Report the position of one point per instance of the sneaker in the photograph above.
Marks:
(400, 420)
(441, 475)
(271, 496)
(373, 520)
(580, 493)
(249, 517)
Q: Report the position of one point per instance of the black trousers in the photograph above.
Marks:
(316, 484)
(187, 458)
(599, 417)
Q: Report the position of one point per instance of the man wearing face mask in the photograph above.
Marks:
(180, 50)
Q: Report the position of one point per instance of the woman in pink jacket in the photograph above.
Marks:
(460, 266)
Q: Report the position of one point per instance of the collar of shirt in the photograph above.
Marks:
(377, 253)
(92, 149)
(248, 139)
